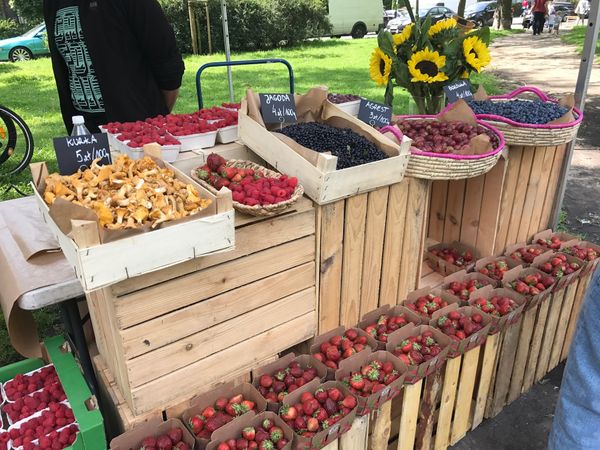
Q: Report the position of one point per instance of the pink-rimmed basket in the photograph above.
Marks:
(533, 135)
(448, 166)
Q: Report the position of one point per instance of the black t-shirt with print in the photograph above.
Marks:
(111, 58)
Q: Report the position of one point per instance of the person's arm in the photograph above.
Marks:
(157, 42)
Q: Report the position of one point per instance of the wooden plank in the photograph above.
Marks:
(512, 236)
(450, 384)
(356, 438)
(214, 340)
(353, 250)
(490, 398)
(273, 231)
(431, 391)
(464, 397)
(536, 344)
(392, 246)
(334, 445)
(554, 312)
(508, 195)
(577, 304)
(471, 211)
(563, 323)
(413, 227)
(437, 210)
(559, 157)
(490, 209)
(505, 367)
(373, 253)
(408, 419)
(423, 231)
(516, 380)
(454, 210)
(381, 426)
(534, 225)
(150, 303)
(222, 366)
(529, 205)
(166, 329)
(330, 280)
(490, 352)
(433, 279)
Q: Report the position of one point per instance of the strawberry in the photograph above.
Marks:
(175, 434)
(276, 434)
(214, 161)
(249, 433)
(357, 382)
(288, 412)
(349, 402)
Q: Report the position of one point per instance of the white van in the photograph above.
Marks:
(355, 17)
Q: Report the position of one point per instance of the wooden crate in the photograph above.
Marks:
(370, 251)
(509, 204)
(169, 334)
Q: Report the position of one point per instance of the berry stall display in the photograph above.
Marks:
(339, 344)
(351, 148)
(521, 111)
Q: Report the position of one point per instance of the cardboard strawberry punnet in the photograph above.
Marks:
(416, 372)
(412, 300)
(329, 434)
(532, 251)
(457, 348)
(228, 390)
(590, 254)
(499, 323)
(519, 273)
(475, 279)
(305, 361)
(133, 438)
(495, 267)
(248, 423)
(565, 279)
(447, 266)
(553, 241)
(390, 391)
(371, 321)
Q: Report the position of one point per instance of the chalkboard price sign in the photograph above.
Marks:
(457, 90)
(78, 152)
(375, 114)
(278, 108)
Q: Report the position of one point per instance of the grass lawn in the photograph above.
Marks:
(576, 36)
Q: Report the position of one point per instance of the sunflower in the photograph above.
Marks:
(442, 25)
(425, 66)
(404, 35)
(476, 53)
(465, 74)
(380, 67)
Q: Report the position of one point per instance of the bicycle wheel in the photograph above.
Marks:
(16, 143)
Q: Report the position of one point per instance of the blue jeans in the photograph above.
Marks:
(577, 418)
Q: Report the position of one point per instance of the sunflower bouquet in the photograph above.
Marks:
(424, 57)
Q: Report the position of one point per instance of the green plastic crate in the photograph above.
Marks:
(88, 416)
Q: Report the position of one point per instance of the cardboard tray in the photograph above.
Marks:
(414, 296)
(499, 323)
(589, 266)
(101, 264)
(565, 280)
(322, 182)
(462, 277)
(488, 259)
(519, 272)
(304, 361)
(397, 310)
(513, 248)
(457, 348)
(226, 390)
(416, 373)
(442, 266)
(547, 234)
(374, 401)
(132, 439)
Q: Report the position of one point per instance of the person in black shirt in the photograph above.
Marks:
(113, 60)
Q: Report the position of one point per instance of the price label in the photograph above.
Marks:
(75, 153)
(457, 90)
(278, 108)
(375, 114)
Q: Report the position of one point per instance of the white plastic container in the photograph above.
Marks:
(3, 385)
(134, 153)
(349, 107)
(197, 141)
(169, 153)
(228, 134)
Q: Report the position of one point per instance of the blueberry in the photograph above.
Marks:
(523, 111)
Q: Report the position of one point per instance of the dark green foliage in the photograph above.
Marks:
(10, 28)
(30, 10)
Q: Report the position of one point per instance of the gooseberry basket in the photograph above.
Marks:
(448, 166)
(526, 134)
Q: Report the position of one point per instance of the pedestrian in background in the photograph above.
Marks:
(540, 11)
(582, 9)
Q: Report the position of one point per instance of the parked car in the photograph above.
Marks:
(25, 47)
(396, 24)
(564, 9)
(354, 17)
(436, 13)
(481, 13)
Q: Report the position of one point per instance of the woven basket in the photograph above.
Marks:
(533, 135)
(436, 166)
(257, 210)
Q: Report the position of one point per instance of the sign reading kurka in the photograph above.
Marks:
(75, 153)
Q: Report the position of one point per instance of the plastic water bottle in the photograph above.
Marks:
(79, 128)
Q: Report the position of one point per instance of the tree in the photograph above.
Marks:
(507, 14)
(29, 10)
(461, 8)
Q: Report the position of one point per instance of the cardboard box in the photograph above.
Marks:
(398, 310)
(518, 273)
(442, 266)
(132, 439)
(415, 373)
(227, 390)
(589, 266)
(499, 323)
(457, 348)
(324, 437)
(415, 295)
(340, 331)
(513, 248)
(233, 430)
(481, 263)
(392, 390)
(565, 238)
(464, 277)
(270, 369)
(566, 279)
